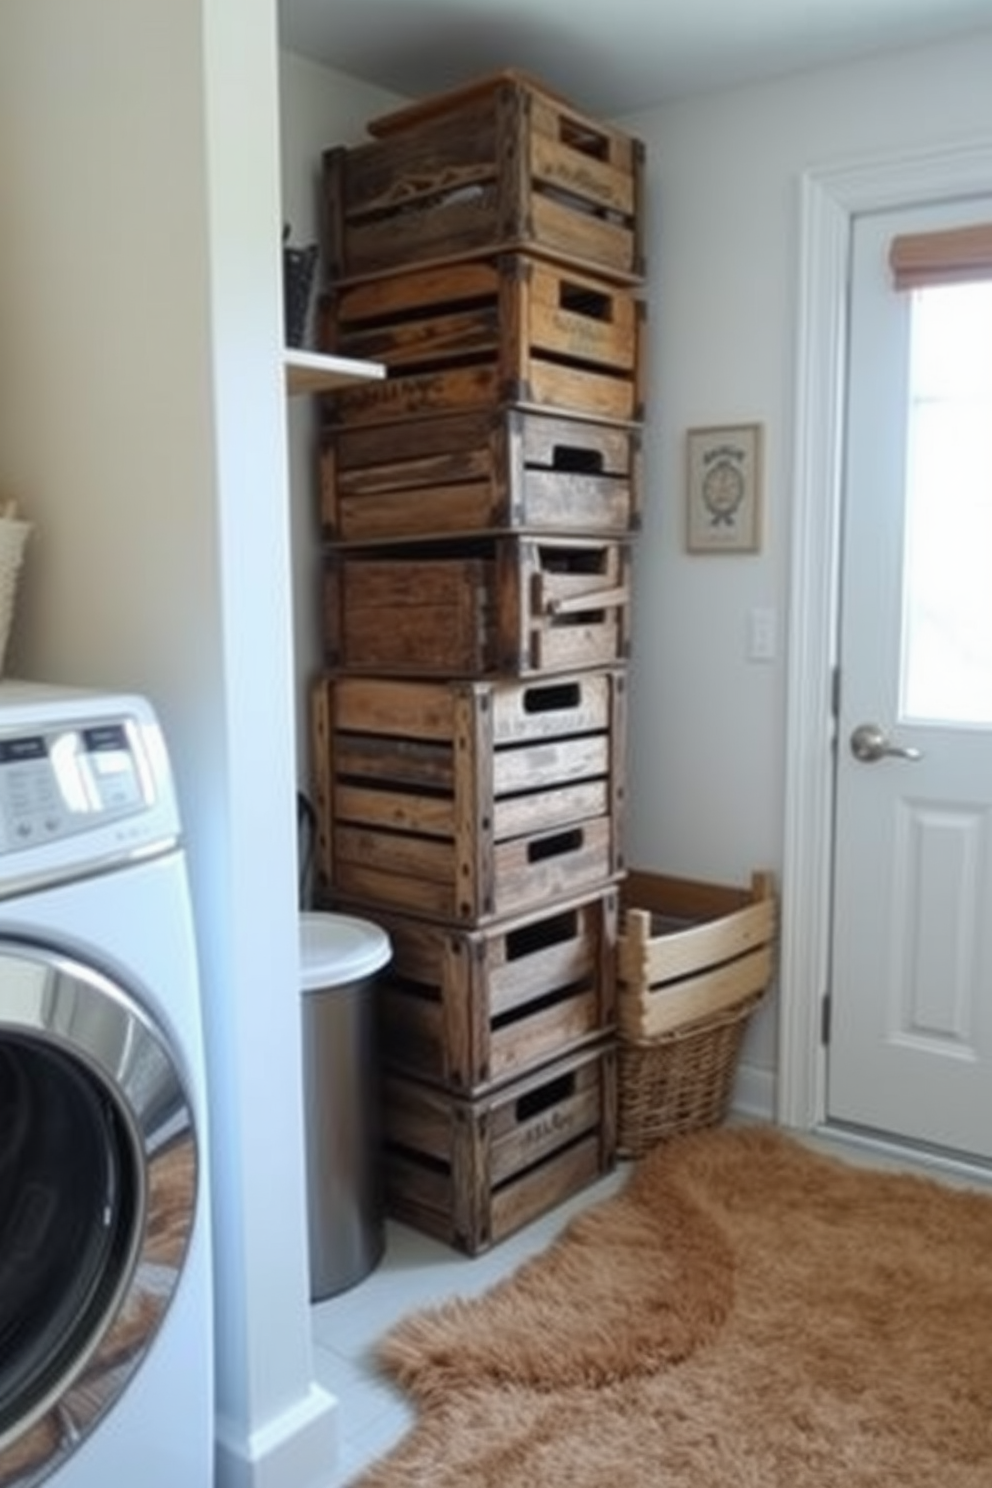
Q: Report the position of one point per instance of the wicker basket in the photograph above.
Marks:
(13, 536)
(678, 1082)
(694, 961)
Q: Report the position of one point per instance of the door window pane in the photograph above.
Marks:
(947, 599)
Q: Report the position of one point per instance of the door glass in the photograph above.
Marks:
(68, 1204)
(947, 597)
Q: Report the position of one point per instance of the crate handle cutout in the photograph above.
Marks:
(528, 939)
(578, 299)
(552, 697)
(554, 847)
(559, 560)
(579, 137)
(575, 461)
(536, 1101)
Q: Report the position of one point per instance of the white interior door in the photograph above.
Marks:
(910, 1043)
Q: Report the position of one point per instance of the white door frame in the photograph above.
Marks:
(829, 199)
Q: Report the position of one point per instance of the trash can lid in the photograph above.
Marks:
(336, 949)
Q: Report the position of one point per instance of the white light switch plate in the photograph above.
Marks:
(762, 634)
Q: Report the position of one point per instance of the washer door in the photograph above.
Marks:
(98, 1178)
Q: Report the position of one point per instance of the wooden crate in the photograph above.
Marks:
(469, 1010)
(503, 606)
(471, 801)
(472, 1172)
(486, 472)
(485, 334)
(503, 163)
(689, 950)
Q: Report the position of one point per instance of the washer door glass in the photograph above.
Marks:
(68, 1203)
(97, 1200)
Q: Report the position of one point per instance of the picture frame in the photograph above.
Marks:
(723, 488)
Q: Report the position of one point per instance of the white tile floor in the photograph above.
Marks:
(417, 1272)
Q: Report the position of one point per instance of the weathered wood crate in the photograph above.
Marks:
(693, 962)
(469, 1010)
(487, 472)
(473, 1172)
(471, 801)
(484, 334)
(502, 163)
(502, 606)
(689, 949)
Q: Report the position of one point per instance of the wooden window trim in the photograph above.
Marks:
(956, 256)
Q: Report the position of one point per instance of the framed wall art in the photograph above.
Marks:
(723, 489)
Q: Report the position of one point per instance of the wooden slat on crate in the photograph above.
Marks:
(485, 334)
(486, 472)
(471, 1009)
(688, 950)
(468, 801)
(471, 1172)
(502, 164)
(502, 606)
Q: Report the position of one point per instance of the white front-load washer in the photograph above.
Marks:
(106, 1357)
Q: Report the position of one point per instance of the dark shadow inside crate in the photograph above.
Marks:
(570, 460)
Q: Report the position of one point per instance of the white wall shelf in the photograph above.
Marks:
(315, 372)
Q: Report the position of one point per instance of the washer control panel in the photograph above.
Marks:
(60, 782)
(52, 784)
(85, 784)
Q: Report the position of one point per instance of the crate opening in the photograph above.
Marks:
(573, 461)
(579, 299)
(535, 1102)
(537, 1005)
(552, 697)
(576, 136)
(554, 847)
(528, 939)
(474, 195)
(563, 560)
(398, 315)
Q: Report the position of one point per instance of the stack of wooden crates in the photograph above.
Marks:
(478, 507)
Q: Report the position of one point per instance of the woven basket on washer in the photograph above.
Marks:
(694, 961)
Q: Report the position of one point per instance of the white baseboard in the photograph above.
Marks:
(297, 1449)
(754, 1092)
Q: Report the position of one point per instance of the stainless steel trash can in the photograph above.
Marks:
(339, 956)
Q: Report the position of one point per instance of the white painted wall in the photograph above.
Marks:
(319, 108)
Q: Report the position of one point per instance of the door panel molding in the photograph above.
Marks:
(829, 199)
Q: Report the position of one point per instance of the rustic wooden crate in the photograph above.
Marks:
(689, 949)
(484, 334)
(503, 606)
(503, 163)
(487, 472)
(471, 801)
(472, 1172)
(469, 1010)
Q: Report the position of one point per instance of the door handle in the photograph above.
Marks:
(869, 743)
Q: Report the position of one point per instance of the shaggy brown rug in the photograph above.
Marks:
(744, 1314)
